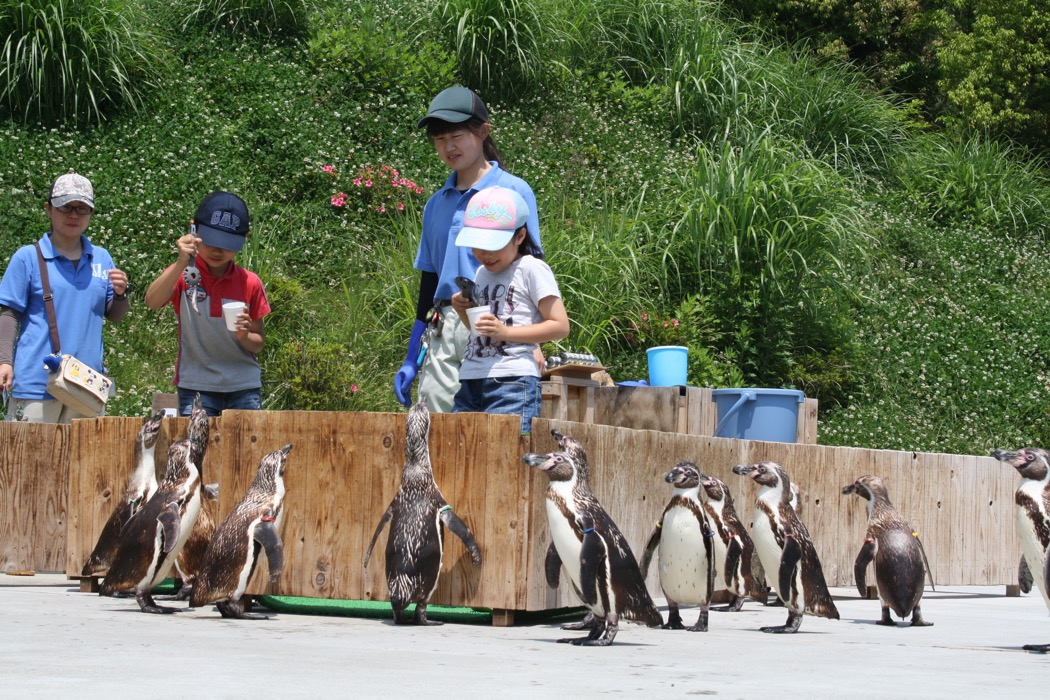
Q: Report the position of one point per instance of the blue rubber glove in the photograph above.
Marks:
(407, 374)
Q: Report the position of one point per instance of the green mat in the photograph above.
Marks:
(380, 609)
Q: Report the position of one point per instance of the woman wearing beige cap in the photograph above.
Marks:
(86, 287)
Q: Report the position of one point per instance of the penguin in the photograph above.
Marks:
(253, 525)
(900, 573)
(190, 559)
(783, 544)
(733, 549)
(685, 541)
(141, 485)
(1032, 500)
(418, 516)
(154, 536)
(595, 554)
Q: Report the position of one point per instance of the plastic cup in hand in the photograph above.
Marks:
(473, 314)
(230, 311)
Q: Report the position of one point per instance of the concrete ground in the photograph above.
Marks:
(57, 642)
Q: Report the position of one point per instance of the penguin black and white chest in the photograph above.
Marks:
(1032, 511)
(684, 541)
(190, 559)
(417, 516)
(894, 547)
(141, 486)
(783, 545)
(733, 548)
(251, 527)
(154, 536)
(593, 551)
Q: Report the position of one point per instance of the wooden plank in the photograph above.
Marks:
(807, 422)
(33, 488)
(640, 408)
(965, 509)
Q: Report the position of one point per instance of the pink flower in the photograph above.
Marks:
(674, 322)
(339, 200)
(328, 168)
(400, 206)
(357, 182)
(353, 388)
(645, 317)
(382, 209)
(368, 183)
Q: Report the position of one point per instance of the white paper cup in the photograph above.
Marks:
(473, 314)
(230, 311)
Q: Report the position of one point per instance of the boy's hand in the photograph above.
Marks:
(187, 248)
(460, 303)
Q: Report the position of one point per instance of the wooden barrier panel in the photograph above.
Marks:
(345, 467)
(33, 505)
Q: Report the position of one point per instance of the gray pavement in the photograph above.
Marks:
(57, 642)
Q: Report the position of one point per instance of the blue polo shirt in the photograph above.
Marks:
(443, 218)
(80, 295)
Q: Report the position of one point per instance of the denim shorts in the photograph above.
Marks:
(502, 395)
(214, 402)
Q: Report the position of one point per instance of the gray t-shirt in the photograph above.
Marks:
(513, 296)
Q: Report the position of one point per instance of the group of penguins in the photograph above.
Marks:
(701, 543)
(156, 528)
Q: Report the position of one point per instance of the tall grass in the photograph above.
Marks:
(977, 180)
(75, 60)
(763, 232)
(263, 18)
(497, 44)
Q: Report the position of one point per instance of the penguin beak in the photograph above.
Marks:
(286, 449)
(743, 470)
(846, 490)
(543, 462)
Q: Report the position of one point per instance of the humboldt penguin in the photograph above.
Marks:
(784, 546)
(188, 563)
(900, 573)
(154, 536)
(418, 516)
(595, 554)
(733, 549)
(684, 539)
(141, 485)
(252, 526)
(1032, 500)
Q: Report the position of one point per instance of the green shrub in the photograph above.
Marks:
(75, 61)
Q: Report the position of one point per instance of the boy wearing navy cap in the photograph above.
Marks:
(217, 363)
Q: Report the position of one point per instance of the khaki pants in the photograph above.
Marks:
(439, 376)
(41, 411)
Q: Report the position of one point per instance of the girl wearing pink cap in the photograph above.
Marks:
(499, 373)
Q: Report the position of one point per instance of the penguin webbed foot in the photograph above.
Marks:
(701, 622)
(145, 601)
(421, 617)
(734, 605)
(886, 620)
(917, 620)
(588, 622)
(791, 626)
(674, 619)
(601, 635)
(1041, 648)
(234, 609)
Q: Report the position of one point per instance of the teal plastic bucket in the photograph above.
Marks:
(668, 365)
(758, 414)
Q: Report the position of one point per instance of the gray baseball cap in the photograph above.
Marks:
(72, 188)
(455, 105)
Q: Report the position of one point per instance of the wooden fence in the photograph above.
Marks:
(58, 485)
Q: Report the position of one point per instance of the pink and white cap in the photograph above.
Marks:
(491, 218)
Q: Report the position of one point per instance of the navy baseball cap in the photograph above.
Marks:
(222, 221)
(456, 105)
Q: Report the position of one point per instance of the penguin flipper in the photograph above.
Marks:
(1024, 576)
(860, 566)
(709, 546)
(650, 549)
(169, 521)
(789, 561)
(592, 556)
(460, 530)
(1046, 569)
(266, 535)
(379, 528)
(733, 552)
(552, 566)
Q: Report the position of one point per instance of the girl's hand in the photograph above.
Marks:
(118, 279)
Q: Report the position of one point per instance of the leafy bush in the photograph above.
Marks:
(264, 18)
(75, 61)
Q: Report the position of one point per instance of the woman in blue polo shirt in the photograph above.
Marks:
(86, 288)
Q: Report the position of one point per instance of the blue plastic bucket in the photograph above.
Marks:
(668, 365)
(758, 414)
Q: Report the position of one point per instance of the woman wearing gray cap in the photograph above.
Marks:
(85, 287)
(457, 123)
